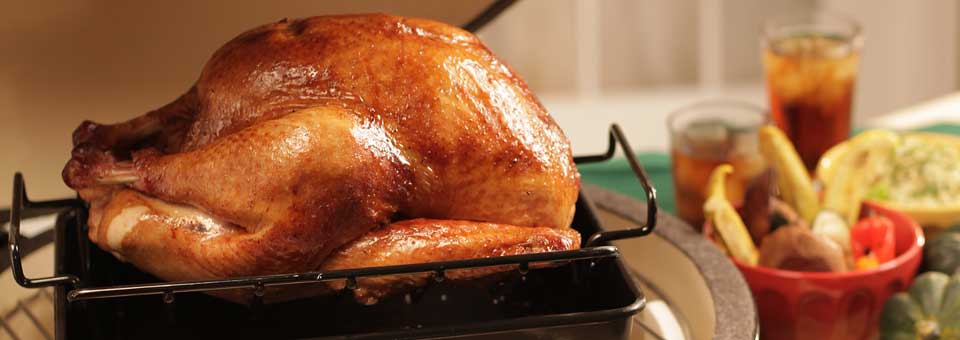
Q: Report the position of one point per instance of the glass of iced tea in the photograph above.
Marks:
(811, 67)
(707, 134)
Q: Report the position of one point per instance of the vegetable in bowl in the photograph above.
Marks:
(828, 235)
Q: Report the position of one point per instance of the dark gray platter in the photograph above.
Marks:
(677, 266)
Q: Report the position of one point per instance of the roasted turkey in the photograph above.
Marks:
(328, 143)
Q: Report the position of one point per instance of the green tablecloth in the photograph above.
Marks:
(617, 176)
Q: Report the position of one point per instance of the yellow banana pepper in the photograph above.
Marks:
(719, 211)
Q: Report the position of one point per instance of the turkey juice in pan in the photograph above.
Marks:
(330, 143)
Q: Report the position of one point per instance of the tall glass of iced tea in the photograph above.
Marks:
(811, 67)
(710, 133)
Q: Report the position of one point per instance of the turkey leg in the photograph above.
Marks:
(167, 124)
(429, 240)
(314, 179)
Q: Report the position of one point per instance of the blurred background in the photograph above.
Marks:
(590, 62)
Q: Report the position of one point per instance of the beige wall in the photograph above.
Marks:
(63, 61)
(910, 51)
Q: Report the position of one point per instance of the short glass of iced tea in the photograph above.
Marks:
(811, 66)
(707, 134)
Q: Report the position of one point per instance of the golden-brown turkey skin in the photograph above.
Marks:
(310, 133)
(425, 240)
(137, 228)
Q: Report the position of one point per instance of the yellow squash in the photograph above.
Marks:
(856, 170)
(794, 182)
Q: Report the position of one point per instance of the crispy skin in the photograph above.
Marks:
(173, 242)
(203, 247)
(426, 240)
(468, 126)
(304, 135)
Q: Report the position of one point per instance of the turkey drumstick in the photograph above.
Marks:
(166, 124)
(309, 179)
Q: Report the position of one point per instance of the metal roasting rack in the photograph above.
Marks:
(75, 289)
(488, 14)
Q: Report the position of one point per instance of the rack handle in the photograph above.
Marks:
(488, 14)
(21, 203)
(617, 137)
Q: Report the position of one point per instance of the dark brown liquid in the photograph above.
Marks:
(747, 188)
(814, 126)
(810, 82)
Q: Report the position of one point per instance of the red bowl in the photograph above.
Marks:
(806, 305)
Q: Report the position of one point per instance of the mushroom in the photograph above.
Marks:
(795, 247)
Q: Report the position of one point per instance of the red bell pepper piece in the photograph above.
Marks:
(872, 241)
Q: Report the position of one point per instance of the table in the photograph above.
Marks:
(617, 176)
